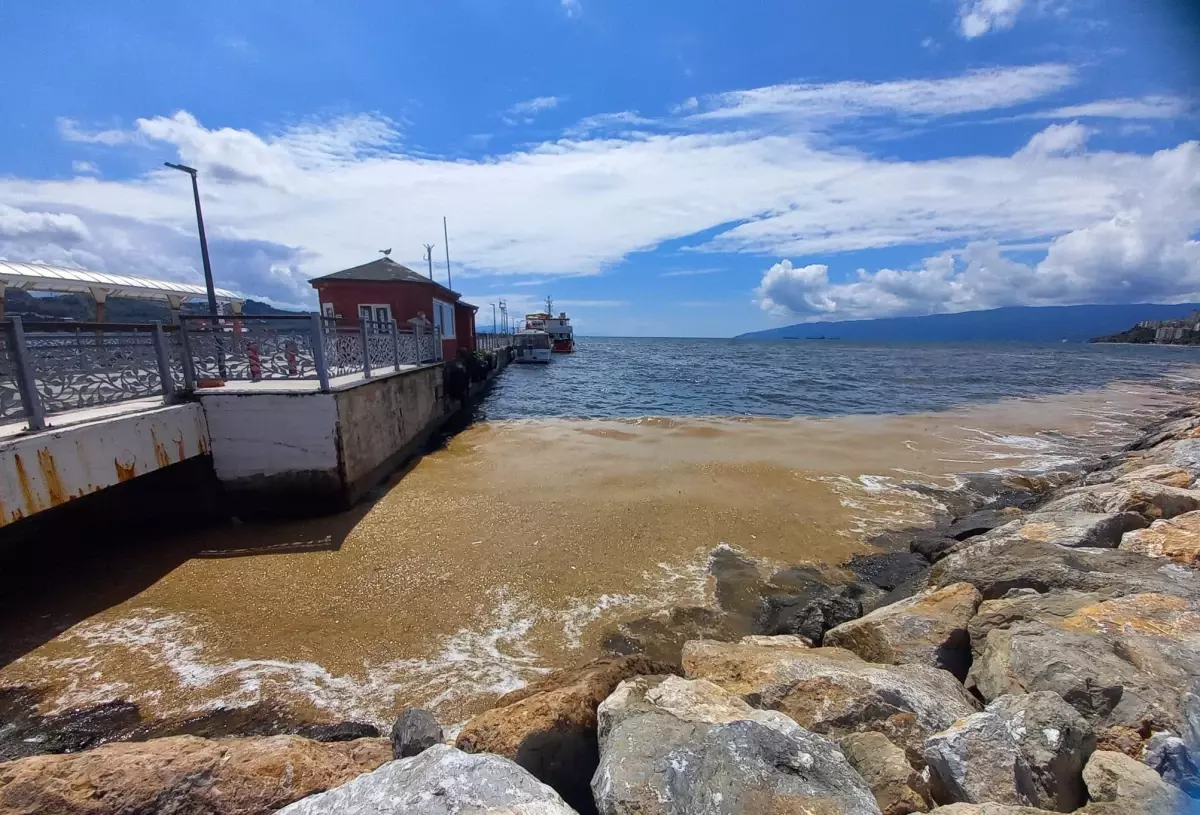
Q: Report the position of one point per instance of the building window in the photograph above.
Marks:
(379, 315)
(443, 319)
(327, 309)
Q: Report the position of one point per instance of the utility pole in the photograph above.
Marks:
(208, 277)
(429, 257)
(446, 235)
(494, 331)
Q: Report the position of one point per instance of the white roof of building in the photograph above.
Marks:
(42, 277)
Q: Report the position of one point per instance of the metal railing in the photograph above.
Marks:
(48, 367)
(298, 348)
(492, 342)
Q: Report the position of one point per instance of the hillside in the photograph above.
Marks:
(1019, 323)
(80, 308)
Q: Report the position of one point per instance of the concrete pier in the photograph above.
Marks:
(273, 447)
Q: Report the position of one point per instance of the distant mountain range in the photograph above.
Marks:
(1018, 323)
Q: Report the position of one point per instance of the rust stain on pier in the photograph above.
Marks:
(28, 494)
(182, 450)
(160, 452)
(125, 471)
(54, 485)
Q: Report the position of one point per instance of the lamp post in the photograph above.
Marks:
(208, 278)
(493, 318)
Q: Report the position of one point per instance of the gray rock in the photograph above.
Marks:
(1118, 784)
(897, 787)
(928, 629)
(1024, 750)
(832, 691)
(988, 809)
(1169, 756)
(932, 546)
(1026, 605)
(996, 566)
(1075, 529)
(414, 731)
(678, 747)
(439, 781)
(1185, 454)
(888, 570)
(1150, 499)
(977, 523)
(808, 618)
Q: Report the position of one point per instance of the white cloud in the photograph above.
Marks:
(691, 272)
(1147, 107)
(1146, 252)
(528, 110)
(573, 8)
(85, 167)
(978, 17)
(1057, 140)
(283, 207)
(69, 129)
(989, 89)
(38, 227)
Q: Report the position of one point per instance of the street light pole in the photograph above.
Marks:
(208, 278)
(494, 318)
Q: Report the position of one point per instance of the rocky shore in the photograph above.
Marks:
(1036, 650)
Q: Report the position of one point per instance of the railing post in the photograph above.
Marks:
(317, 329)
(164, 363)
(366, 354)
(26, 382)
(396, 345)
(185, 347)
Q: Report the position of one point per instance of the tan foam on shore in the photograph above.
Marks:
(506, 553)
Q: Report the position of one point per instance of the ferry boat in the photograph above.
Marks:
(562, 336)
(531, 345)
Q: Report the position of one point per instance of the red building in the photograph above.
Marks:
(386, 290)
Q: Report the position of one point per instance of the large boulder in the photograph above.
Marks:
(977, 523)
(1166, 474)
(439, 781)
(889, 570)
(1087, 529)
(1024, 606)
(833, 691)
(1119, 785)
(897, 787)
(1150, 499)
(806, 615)
(1121, 662)
(928, 629)
(549, 727)
(1177, 539)
(1026, 750)
(185, 775)
(997, 566)
(672, 746)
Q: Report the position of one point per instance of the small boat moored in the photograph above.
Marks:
(531, 345)
(562, 336)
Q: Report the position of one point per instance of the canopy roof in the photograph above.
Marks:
(42, 277)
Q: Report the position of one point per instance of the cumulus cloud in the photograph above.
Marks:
(978, 17)
(1146, 252)
(17, 225)
(1057, 140)
(85, 167)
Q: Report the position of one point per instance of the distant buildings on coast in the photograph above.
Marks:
(1181, 330)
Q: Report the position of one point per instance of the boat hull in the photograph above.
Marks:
(564, 346)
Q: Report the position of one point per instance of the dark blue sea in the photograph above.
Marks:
(624, 377)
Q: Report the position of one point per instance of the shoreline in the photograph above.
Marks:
(772, 613)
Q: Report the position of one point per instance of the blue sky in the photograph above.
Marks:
(666, 168)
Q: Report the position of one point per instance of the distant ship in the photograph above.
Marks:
(562, 336)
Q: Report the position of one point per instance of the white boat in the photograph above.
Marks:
(531, 345)
(562, 336)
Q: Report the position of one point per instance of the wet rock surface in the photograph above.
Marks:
(670, 745)
(185, 775)
(414, 732)
(439, 781)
